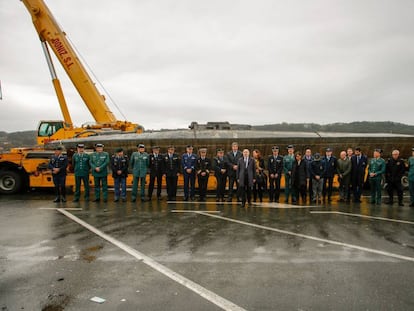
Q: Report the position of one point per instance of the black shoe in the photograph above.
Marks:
(389, 202)
(159, 198)
(133, 200)
(56, 200)
(400, 204)
(185, 198)
(192, 198)
(123, 199)
(412, 205)
(116, 200)
(105, 200)
(96, 200)
(63, 199)
(229, 199)
(357, 201)
(243, 204)
(75, 200)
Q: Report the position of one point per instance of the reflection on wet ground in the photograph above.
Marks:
(257, 257)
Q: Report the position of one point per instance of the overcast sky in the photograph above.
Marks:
(167, 63)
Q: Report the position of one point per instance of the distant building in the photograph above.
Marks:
(219, 126)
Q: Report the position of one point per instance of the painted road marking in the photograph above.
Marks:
(262, 204)
(202, 203)
(203, 292)
(364, 216)
(365, 249)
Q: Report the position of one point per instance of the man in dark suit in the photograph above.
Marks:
(232, 159)
(246, 176)
(359, 166)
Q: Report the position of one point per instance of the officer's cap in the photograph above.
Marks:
(203, 149)
(155, 147)
(119, 149)
(99, 145)
(80, 145)
(189, 146)
(275, 148)
(220, 150)
(171, 147)
(290, 147)
(317, 156)
(141, 146)
(58, 148)
(378, 150)
(329, 149)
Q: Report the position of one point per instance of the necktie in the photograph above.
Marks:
(358, 159)
(245, 162)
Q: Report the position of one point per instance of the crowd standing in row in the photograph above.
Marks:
(305, 175)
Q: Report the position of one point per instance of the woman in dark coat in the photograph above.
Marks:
(299, 175)
(260, 184)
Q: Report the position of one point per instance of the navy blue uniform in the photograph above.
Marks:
(330, 170)
(203, 167)
(171, 171)
(58, 165)
(275, 168)
(119, 166)
(156, 162)
(220, 172)
(188, 162)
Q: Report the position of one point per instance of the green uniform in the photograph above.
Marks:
(287, 167)
(376, 166)
(411, 179)
(81, 165)
(139, 164)
(101, 160)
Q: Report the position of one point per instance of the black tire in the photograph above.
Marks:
(10, 182)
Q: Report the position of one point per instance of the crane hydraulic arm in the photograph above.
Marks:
(50, 32)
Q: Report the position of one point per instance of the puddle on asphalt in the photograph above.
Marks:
(88, 255)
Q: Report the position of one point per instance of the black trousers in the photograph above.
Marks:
(246, 191)
(171, 186)
(327, 187)
(395, 185)
(202, 186)
(274, 189)
(60, 185)
(232, 181)
(221, 185)
(152, 183)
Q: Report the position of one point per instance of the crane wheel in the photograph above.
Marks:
(10, 182)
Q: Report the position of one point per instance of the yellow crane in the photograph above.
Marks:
(52, 36)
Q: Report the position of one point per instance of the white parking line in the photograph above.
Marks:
(203, 292)
(364, 216)
(280, 205)
(365, 249)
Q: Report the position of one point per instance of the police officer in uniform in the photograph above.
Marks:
(395, 170)
(275, 168)
(220, 172)
(139, 163)
(188, 162)
(376, 170)
(171, 172)
(156, 170)
(331, 164)
(287, 170)
(58, 164)
(119, 166)
(233, 157)
(203, 167)
(81, 165)
(99, 161)
(411, 177)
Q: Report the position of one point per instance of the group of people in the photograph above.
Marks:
(305, 175)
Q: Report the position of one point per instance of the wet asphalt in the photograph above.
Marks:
(265, 257)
